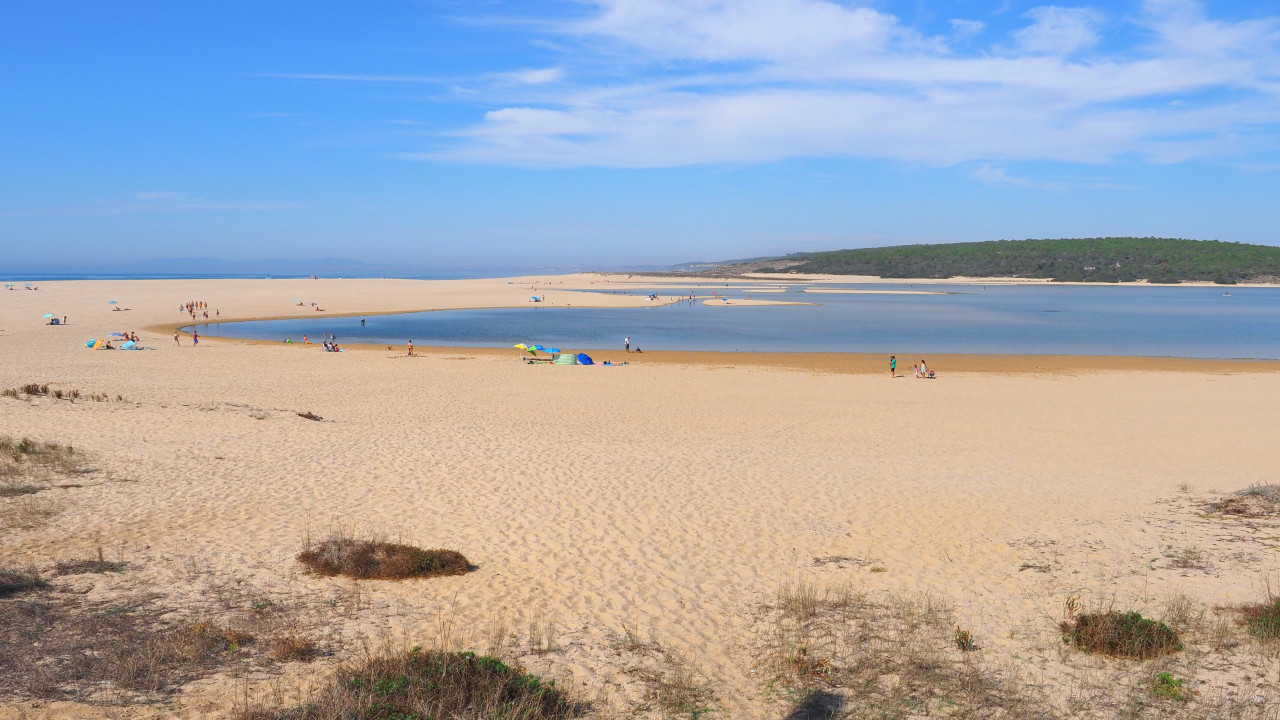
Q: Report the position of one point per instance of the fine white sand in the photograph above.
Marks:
(671, 495)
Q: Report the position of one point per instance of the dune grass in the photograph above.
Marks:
(1258, 500)
(420, 684)
(13, 582)
(891, 654)
(61, 648)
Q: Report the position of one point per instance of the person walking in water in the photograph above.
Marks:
(893, 366)
(626, 344)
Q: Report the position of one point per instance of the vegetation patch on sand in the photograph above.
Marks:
(342, 553)
(57, 647)
(1120, 634)
(1262, 619)
(421, 684)
(13, 582)
(890, 654)
(28, 467)
(27, 458)
(1253, 501)
(99, 564)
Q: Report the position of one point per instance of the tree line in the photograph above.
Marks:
(1111, 259)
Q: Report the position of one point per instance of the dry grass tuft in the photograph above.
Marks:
(1262, 619)
(99, 564)
(26, 457)
(13, 582)
(1254, 501)
(422, 684)
(292, 647)
(28, 467)
(1120, 634)
(678, 688)
(894, 655)
(58, 647)
(368, 559)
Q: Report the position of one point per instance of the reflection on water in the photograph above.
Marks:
(1044, 319)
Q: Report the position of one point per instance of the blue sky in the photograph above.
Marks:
(614, 132)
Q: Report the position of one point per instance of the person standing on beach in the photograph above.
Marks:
(893, 366)
(195, 337)
(626, 344)
(410, 348)
(175, 339)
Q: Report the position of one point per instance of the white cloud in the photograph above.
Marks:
(743, 30)
(1058, 30)
(717, 81)
(540, 76)
(965, 29)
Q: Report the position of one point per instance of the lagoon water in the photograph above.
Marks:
(1030, 320)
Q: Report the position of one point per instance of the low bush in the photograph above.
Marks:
(1120, 634)
(429, 684)
(367, 559)
(1254, 501)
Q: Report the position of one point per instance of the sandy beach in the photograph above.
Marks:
(669, 499)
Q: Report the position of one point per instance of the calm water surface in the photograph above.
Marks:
(1076, 320)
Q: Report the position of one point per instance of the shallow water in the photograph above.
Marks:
(1043, 319)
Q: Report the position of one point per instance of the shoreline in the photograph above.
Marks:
(838, 363)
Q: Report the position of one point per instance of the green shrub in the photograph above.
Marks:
(1120, 634)
(429, 684)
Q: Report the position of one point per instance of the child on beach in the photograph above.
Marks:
(893, 366)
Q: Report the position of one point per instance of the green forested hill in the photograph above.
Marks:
(1115, 259)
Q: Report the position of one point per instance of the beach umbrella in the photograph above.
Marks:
(111, 302)
(46, 315)
(296, 300)
(117, 334)
(539, 348)
(551, 350)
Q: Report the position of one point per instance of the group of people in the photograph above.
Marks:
(920, 371)
(330, 343)
(194, 306)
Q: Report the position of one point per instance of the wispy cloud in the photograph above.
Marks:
(539, 76)
(661, 83)
(1059, 31)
